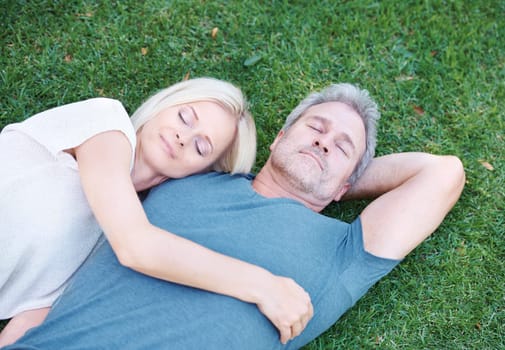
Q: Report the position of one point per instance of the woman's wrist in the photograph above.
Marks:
(257, 285)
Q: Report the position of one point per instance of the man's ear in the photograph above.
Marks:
(277, 138)
(341, 191)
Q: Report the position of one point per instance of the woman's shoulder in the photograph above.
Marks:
(97, 104)
(105, 101)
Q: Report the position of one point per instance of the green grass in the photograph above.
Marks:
(437, 69)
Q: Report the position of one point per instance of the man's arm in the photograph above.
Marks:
(414, 191)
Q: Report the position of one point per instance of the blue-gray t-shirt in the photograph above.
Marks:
(108, 306)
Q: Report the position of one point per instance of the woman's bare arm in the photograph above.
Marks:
(104, 169)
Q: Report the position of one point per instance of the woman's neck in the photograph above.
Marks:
(143, 176)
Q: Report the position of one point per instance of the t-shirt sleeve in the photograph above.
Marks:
(70, 125)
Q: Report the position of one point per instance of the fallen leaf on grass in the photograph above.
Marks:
(213, 33)
(87, 14)
(404, 78)
(418, 110)
(486, 165)
(144, 51)
(68, 58)
(462, 248)
(252, 60)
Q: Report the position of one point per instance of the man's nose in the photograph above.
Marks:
(319, 144)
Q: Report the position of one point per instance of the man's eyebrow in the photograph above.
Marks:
(346, 138)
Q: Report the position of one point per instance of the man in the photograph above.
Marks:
(323, 154)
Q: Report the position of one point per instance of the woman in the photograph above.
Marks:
(74, 171)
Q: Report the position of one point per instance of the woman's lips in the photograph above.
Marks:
(168, 147)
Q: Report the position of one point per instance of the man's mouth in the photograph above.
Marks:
(314, 156)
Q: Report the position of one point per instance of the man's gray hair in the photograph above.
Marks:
(357, 99)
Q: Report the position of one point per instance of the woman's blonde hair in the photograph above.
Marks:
(240, 156)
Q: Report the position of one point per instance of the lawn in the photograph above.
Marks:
(436, 68)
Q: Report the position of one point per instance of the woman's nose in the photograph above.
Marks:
(179, 139)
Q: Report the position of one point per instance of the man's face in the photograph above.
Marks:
(320, 151)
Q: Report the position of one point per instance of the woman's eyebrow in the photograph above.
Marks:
(210, 144)
(206, 137)
(194, 112)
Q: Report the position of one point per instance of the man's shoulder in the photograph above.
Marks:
(207, 179)
(198, 189)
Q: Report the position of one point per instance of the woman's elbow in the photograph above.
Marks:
(454, 175)
(126, 254)
(125, 257)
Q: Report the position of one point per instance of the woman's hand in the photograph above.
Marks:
(287, 306)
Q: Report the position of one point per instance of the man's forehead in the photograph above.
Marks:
(330, 112)
(338, 116)
(329, 109)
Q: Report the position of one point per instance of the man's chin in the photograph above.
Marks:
(305, 181)
(312, 159)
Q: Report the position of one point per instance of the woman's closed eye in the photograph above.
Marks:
(187, 116)
(203, 146)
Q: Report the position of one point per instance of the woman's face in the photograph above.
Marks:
(185, 139)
